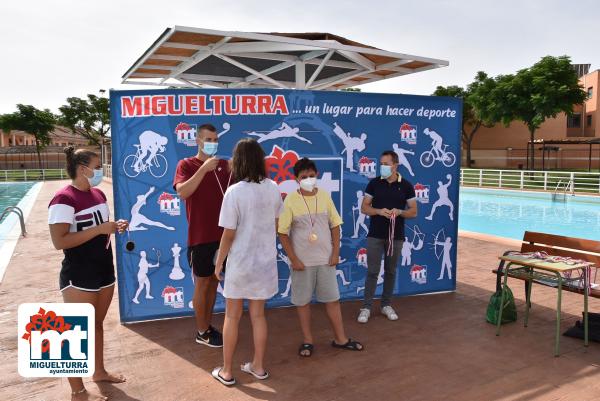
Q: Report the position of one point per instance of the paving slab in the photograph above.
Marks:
(441, 348)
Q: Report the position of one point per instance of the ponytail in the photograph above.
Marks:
(77, 157)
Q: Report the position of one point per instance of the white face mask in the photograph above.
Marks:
(385, 171)
(308, 184)
(96, 179)
(210, 148)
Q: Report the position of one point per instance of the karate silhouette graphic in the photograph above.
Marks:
(351, 144)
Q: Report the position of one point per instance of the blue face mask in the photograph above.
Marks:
(210, 148)
(96, 179)
(385, 171)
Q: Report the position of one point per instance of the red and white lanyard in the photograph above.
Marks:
(219, 182)
(391, 231)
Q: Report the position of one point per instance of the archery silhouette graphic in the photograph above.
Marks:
(443, 246)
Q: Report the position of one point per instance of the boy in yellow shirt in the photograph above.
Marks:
(309, 230)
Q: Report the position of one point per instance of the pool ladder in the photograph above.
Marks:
(18, 212)
(558, 192)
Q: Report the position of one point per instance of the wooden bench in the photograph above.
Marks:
(557, 245)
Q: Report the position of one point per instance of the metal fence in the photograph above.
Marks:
(571, 181)
(107, 170)
(33, 175)
(42, 174)
(555, 181)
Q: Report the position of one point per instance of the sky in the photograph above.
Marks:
(51, 50)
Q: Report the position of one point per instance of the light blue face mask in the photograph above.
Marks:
(210, 148)
(96, 179)
(385, 171)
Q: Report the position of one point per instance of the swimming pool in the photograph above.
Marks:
(511, 213)
(23, 195)
(11, 193)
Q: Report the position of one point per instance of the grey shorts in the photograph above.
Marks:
(319, 280)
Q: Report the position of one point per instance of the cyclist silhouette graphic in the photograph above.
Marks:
(437, 153)
(149, 147)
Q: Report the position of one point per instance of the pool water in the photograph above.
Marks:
(511, 213)
(11, 193)
(23, 195)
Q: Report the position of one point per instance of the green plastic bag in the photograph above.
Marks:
(509, 312)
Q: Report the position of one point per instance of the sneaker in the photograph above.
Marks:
(211, 338)
(389, 312)
(217, 334)
(363, 316)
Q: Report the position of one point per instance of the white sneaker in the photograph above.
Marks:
(389, 312)
(363, 316)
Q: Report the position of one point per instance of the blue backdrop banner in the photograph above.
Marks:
(344, 132)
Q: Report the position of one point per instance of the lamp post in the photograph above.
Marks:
(102, 92)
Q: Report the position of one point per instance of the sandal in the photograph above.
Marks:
(247, 368)
(306, 347)
(216, 373)
(350, 345)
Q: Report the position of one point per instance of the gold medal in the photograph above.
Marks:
(313, 237)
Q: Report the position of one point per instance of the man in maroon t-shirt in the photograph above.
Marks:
(202, 181)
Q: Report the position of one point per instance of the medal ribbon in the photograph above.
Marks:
(391, 231)
(219, 182)
(312, 222)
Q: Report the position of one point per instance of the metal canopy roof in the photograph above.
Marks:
(195, 57)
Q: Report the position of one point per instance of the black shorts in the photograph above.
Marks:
(201, 258)
(93, 280)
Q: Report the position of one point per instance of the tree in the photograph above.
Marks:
(475, 107)
(88, 117)
(533, 94)
(38, 123)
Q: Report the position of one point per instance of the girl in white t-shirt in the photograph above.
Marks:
(249, 218)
